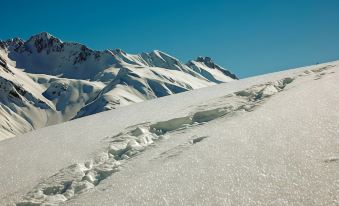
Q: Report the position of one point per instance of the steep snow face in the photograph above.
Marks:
(23, 107)
(75, 81)
(68, 95)
(30, 101)
(160, 59)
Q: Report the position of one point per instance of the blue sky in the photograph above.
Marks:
(249, 37)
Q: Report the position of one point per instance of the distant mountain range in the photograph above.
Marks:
(45, 81)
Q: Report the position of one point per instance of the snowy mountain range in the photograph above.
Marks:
(45, 81)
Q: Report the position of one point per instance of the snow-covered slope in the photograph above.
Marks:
(68, 80)
(265, 140)
(23, 106)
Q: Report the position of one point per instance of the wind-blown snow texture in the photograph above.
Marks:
(44, 81)
(266, 140)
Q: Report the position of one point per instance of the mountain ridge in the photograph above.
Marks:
(45, 81)
(45, 41)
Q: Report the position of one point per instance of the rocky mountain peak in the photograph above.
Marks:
(201, 62)
(11, 43)
(207, 61)
(44, 40)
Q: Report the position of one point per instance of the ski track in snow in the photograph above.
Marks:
(82, 177)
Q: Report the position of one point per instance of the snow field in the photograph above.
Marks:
(82, 177)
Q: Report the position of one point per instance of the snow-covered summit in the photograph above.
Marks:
(45, 54)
